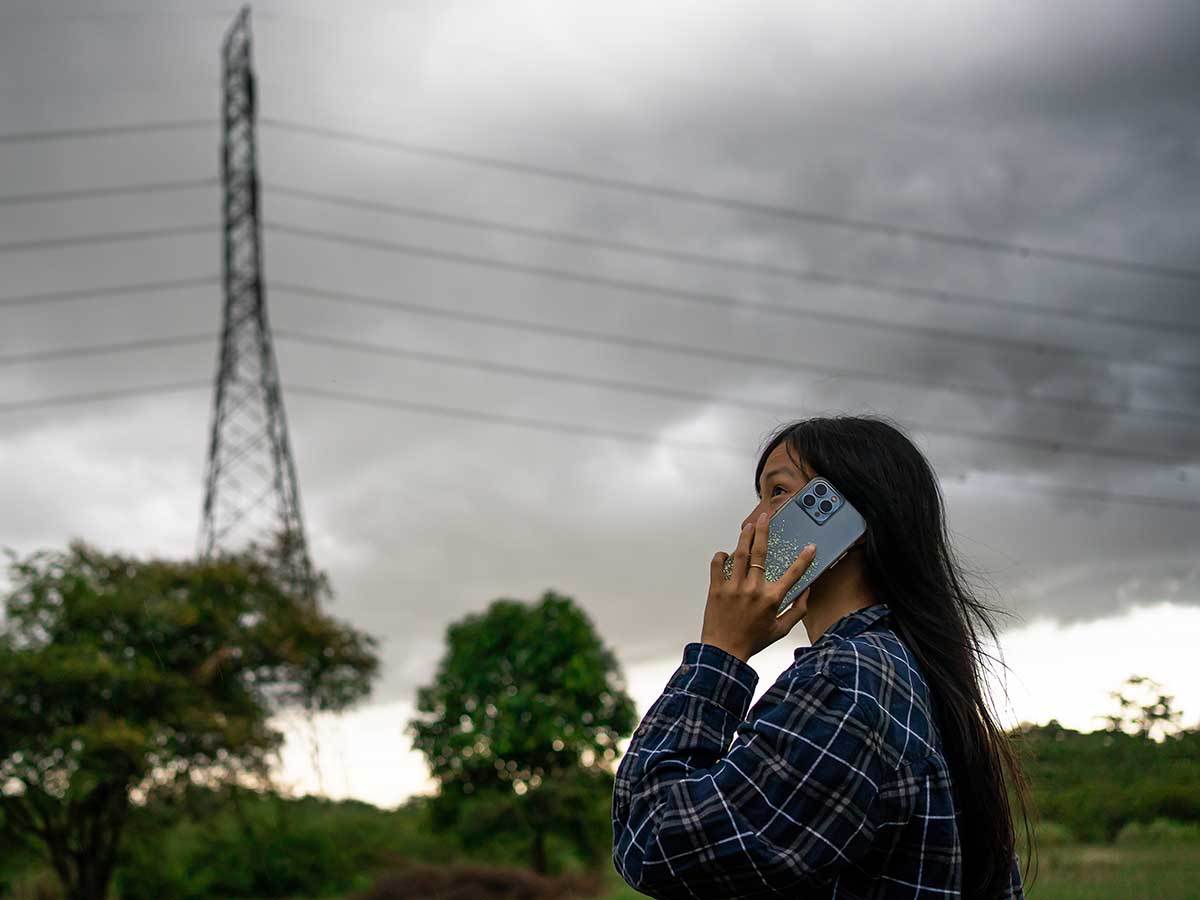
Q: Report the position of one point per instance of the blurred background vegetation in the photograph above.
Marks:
(134, 748)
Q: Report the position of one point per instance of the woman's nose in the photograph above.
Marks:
(753, 517)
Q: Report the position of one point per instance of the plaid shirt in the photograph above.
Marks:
(834, 788)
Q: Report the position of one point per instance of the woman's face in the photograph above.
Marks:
(780, 478)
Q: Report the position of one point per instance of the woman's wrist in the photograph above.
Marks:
(728, 646)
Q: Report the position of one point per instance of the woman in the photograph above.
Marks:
(873, 767)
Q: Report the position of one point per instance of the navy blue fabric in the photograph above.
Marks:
(835, 785)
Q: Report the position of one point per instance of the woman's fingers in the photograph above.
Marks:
(797, 569)
(758, 553)
(716, 570)
(741, 555)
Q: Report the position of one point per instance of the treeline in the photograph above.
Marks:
(1092, 785)
(125, 683)
(234, 843)
(1098, 787)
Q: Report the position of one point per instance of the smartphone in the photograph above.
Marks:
(816, 514)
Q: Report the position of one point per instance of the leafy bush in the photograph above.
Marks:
(1095, 783)
(268, 846)
(243, 845)
(1053, 834)
(474, 882)
(35, 884)
(1160, 831)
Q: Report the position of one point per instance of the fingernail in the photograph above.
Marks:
(810, 546)
(762, 517)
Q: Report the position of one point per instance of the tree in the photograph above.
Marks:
(521, 726)
(119, 677)
(1152, 711)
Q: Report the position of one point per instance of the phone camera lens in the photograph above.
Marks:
(820, 490)
(809, 500)
(826, 506)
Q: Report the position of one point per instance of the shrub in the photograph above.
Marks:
(475, 882)
(273, 847)
(1160, 831)
(35, 884)
(1050, 834)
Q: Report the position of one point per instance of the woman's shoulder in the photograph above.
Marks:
(885, 678)
(877, 657)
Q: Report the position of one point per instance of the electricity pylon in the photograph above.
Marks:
(250, 492)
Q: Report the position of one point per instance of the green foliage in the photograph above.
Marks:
(34, 884)
(496, 826)
(521, 727)
(1142, 709)
(1095, 783)
(258, 846)
(1158, 833)
(17, 858)
(1104, 872)
(119, 676)
(227, 844)
(1053, 834)
(481, 882)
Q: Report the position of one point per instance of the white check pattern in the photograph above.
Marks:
(834, 787)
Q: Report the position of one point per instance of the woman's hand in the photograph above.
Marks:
(740, 616)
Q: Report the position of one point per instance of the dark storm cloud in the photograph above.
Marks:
(1073, 126)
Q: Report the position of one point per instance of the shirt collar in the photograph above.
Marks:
(850, 624)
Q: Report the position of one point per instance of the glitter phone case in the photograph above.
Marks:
(817, 514)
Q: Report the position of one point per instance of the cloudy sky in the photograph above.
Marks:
(1073, 127)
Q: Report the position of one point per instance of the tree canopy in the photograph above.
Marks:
(521, 723)
(120, 676)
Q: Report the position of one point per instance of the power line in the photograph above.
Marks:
(111, 237)
(791, 365)
(674, 293)
(118, 290)
(431, 408)
(560, 376)
(131, 345)
(673, 255)
(58, 18)
(807, 275)
(843, 318)
(524, 421)
(28, 137)
(172, 14)
(115, 191)
(740, 205)
(559, 427)
(94, 396)
(103, 349)
(724, 262)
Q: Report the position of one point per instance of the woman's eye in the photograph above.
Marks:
(778, 487)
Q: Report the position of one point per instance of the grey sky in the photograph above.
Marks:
(1073, 126)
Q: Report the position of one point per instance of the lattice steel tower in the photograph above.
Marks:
(250, 491)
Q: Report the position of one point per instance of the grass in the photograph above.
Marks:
(1088, 872)
(619, 890)
(1164, 871)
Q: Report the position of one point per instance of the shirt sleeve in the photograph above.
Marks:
(1016, 890)
(788, 805)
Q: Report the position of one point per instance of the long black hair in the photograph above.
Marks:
(910, 565)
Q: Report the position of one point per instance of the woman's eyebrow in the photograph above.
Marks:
(776, 471)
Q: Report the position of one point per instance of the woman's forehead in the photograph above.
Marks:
(784, 456)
